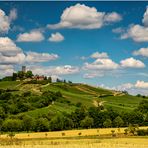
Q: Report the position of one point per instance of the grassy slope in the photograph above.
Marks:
(9, 84)
(126, 102)
(51, 110)
(75, 93)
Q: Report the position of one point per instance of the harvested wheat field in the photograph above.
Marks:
(85, 143)
(91, 138)
(70, 133)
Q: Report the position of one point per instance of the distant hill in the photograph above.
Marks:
(73, 95)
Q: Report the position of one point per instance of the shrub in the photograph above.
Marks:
(126, 131)
(12, 125)
(42, 124)
(46, 134)
(27, 93)
(61, 122)
(79, 104)
(58, 94)
(142, 132)
(113, 133)
(11, 135)
(107, 123)
(87, 122)
(118, 122)
(133, 128)
(80, 134)
(63, 134)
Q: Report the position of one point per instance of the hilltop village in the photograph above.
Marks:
(25, 75)
(28, 77)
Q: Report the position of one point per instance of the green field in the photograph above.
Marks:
(9, 84)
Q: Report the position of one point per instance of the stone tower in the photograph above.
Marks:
(24, 69)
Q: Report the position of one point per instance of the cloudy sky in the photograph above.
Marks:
(99, 43)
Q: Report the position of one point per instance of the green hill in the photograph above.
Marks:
(73, 94)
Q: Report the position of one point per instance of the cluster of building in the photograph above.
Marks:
(34, 77)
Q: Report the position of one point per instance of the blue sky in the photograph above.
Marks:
(99, 43)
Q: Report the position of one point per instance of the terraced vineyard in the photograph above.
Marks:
(73, 94)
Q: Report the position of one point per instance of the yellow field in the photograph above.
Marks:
(85, 143)
(70, 133)
(92, 138)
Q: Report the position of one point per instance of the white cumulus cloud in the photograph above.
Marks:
(104, 64)
(8, 47)
(141, 84)
(93, 75)
(32, 36)
(6, 70)
(101, 55)
(137, 32)
(125, 86)
(112, 17)
(56, 37)
(145, 17)
(132, 63)
(54, 70)
(17, 59)
(139, 87)
(84, 17)
(10, 53)
(142, 52)
(40, 57)
(12, 15)
(5, 21)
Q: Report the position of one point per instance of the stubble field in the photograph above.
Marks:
(92, 138)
